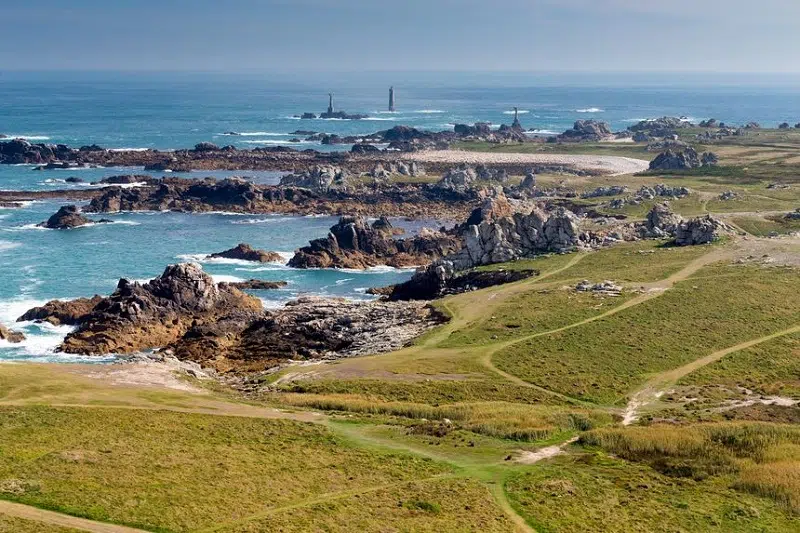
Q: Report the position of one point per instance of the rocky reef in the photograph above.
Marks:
(245, 252)
(352, 243)
(58, 313)
(68, 217)
(151, 315)
(587, 130)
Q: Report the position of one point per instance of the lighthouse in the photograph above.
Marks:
(391, 99)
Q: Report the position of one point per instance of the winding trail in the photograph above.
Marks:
(654, 290)
(28, 512)
(658, 385)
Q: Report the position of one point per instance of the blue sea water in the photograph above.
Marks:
(169, 111)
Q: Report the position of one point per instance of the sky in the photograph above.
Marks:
(401, 35)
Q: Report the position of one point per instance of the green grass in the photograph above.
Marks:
(431, 506)
(763, 227)
(167, 471)
(595, 492)
(623, 150)
(771, 368)
(532, 312)
(603, 360)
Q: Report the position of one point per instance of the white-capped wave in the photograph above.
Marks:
(128, 149)
(253, 134)
(521, 112)
(278, 141)
(590, 110)
(224, 278)
(11, 136)
(343, 281)
(429, 111)
(261, 220)
(6, 245)
(380, 269)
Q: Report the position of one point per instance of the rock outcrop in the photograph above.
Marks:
(319, 179)
(660, 127)
(68, 217)
(255, 285)
(700, 230)
(13, 337)
(245, 252)
(439, 280)
(307, 328)
(58, 313)
(151, 315)
(458, 180)
(352, 243)
(587, 130)
(686, 159)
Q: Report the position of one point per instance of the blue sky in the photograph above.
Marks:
(346, 35)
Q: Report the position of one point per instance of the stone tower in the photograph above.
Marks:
(516, 124)
(330, 103)
(391, 99)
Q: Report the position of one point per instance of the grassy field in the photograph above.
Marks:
(177, 471)
(718, 307)
(9, 524)
(596, 492)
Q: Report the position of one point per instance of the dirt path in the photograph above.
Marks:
(608, 164)
(28, 512)
(654, 290)
(529, 458)
(658, 385)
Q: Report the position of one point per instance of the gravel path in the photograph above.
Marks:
(611, 164)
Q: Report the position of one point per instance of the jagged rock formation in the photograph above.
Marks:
(661, 222)
(13, 337)
(611, 190)
(383, 171)
(587, 130)
(458, 180)
(441, 280)
(352, 243)
(57, 312)
(319, 179)
(255, 285)
(795, 215)
(307, 328)
(606, 288)
(660, 127)
(67, 217)
(687, 159)
(137, 317)
(245, 252)
(700, 230)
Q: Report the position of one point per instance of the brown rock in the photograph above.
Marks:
(137, 317)
(256, 284)
(10, 336)
(56, 312)
(245, 252)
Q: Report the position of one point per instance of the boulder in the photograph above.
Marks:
(700, 230)
(62, 313)
(784, 126)
(710, 123)
(67, 217)
(352, 243)
(458, 180)
(13, 337)
(439, 280)
(587, 130)
(661, 222)
(206, 147)
(660, 127)
(363, 148)
(529, 181)
(142, 316)
(683, 160)
(245, 252)
(320, 178)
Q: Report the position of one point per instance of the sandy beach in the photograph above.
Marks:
(613, 165)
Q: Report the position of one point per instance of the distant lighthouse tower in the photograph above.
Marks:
(391, 99)
(330, 103)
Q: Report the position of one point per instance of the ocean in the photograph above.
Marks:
(169, 111)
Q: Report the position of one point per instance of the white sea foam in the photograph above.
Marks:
(273, 304)
(261, 220)
(6, 245)
(278, 141)
(590, 110)
(429, 111)
(343, 281)
(521, 112)
(27, 137)
(128, 149)
(543, 132)
(224, 278)
(254, 134)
